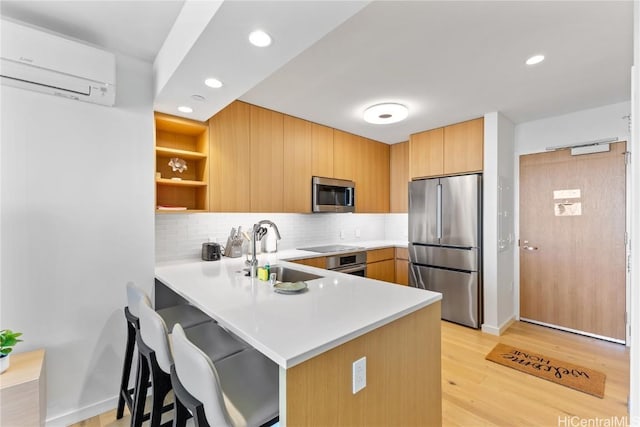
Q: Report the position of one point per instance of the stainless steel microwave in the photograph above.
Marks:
(332, 195)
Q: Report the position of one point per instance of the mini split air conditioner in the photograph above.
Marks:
(36, 60)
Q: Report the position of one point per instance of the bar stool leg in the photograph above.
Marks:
(126, 370)
(140, 394)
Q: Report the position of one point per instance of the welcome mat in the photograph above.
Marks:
(560, 372)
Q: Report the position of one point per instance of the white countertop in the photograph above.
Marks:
(290, 329)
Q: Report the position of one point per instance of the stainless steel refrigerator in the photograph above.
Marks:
(445, 243)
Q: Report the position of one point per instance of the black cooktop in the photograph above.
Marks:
(332, 248)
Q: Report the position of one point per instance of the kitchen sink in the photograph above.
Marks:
(285, 274)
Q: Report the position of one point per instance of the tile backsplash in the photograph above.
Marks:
(180, 236)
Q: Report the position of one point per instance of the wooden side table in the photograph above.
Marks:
(22, 390)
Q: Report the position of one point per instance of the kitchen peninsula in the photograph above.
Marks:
(316, 336)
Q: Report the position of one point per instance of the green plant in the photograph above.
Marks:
(8, 339)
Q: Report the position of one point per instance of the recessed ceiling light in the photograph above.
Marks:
(381, 114)
(214, 83)
(260, 38)
(185, 109)
(535, 59)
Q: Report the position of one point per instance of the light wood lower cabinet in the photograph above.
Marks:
(23, 390)
(402, 266)
(382, 270)
(381, 264)
(404, 384)
(386, 264)
(320, 262)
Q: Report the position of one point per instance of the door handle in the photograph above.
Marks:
(529, 248)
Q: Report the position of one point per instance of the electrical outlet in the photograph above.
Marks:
(357, 232)
(359, 374)
(342, 234)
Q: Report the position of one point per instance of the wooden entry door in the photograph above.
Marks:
(572, 240)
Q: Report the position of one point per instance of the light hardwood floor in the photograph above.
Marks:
(476, 392)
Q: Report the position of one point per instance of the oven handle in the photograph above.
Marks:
(353, 269)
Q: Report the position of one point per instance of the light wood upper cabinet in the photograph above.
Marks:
(449, 150)
(464, 147)
(321, 151)
(375, 176)
(263, 161)
(187, 140)
(426, 151)
(399, 177)
(230, 153)
(366, 162)
(345, 153)
(266, 160)
(298, 137)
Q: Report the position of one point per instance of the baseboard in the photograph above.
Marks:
(82, 414)
(492, 330)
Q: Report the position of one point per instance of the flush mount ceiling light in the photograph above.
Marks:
(259, 38)
(535, 59)
(381, 114)
(185, 109)
(214, 83)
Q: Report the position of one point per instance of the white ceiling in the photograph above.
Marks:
(448, 61)
(134, 28)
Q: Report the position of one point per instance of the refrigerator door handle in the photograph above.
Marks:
(439, 212)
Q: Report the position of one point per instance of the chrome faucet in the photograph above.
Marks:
(257, 233)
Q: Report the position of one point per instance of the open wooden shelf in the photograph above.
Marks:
(187, 140)
(180, 183)
(162, 211)
(174, 152)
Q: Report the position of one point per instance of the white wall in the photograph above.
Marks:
(580, 126)
(180, 236)
(77, 223)
(498, 235)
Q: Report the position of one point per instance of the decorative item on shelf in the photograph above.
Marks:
(178, 165)
(8, 339)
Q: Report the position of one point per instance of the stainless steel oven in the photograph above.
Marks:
(354, 263)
